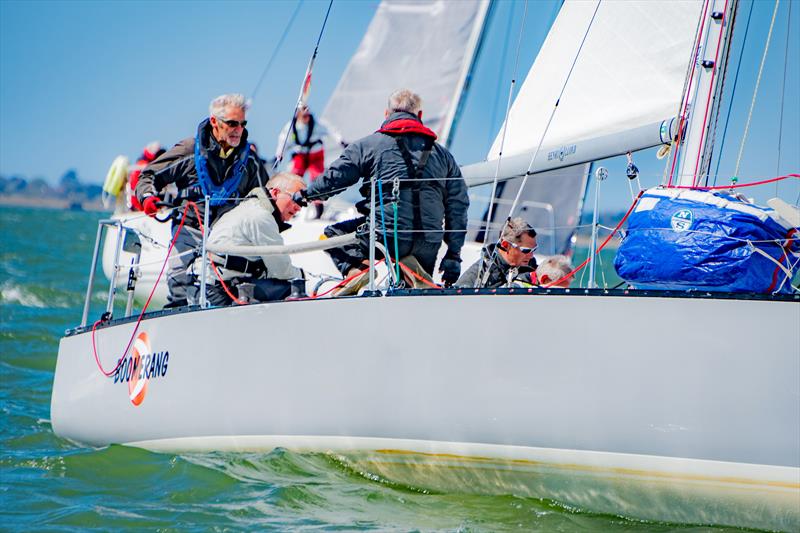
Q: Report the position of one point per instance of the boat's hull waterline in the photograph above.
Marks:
(591, 400)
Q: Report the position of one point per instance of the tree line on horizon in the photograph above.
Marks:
(68, 187)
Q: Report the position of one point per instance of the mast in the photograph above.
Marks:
(703, 94)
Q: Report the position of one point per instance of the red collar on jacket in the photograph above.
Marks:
(407, 126)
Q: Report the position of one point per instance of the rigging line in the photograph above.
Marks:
(687, 87)
(755, 91)
(547, 127)
(708, 156)
(303, 87)
(478, 278)
(500, 72)
(733, 91)
(277, 49)
(783, 92)
(555, 108)
(703, 131)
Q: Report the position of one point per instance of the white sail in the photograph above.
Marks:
(629, 73)
(427, 47)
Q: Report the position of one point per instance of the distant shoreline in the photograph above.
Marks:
(14, 200)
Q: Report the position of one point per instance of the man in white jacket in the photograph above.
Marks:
(257, 221)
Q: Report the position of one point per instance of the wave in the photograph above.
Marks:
(12, 293)
(36, 296)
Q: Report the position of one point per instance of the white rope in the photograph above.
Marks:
(755, 91)
(792, 268)
(313, 246)
(765, 254)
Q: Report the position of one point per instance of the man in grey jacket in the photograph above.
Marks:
(431, 197)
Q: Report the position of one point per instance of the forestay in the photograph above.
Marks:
(629, 73)
(426, 47)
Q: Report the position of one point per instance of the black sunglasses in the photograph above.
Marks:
(233, 123)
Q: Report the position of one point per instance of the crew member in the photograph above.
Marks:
(555, 268)
(216, 162)
(303, 139)
(257, 221)
(432, 204)
(150, 153)
(503, 262)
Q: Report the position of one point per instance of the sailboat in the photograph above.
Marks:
(492, 391)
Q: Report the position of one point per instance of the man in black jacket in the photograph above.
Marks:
(502, 263)
(431, 198)
(217, 162)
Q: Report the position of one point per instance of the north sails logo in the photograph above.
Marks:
(682, 220)
(140, 367)
(562, 152)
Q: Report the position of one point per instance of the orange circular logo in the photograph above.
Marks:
(137, 386)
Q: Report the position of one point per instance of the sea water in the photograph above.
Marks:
(49, 483)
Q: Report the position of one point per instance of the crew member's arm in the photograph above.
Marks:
(264, 231)
(171, 167)
(344, 172)
(468, 278)
(456, 204)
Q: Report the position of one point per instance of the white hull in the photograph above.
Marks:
(594, 401)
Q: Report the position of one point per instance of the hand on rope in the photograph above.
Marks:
(150, 205)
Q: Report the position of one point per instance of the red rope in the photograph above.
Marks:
(410, 271)
(784, 255)
(735, 186)
(152, 292)
(236, 300)
(341, 283)
(144, 309)
(603, 245)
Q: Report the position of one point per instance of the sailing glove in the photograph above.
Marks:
(300, 198)
(450, 267)
(150, 205)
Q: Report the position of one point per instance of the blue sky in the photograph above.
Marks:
(84, 81)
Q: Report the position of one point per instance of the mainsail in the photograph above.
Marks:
(614, 72)
(629, 73)
(427, 47)
(607, 80)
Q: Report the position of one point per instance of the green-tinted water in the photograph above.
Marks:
(48, 483)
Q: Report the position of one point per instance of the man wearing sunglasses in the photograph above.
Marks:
(503, 262)
(217, 162)
(258, 221)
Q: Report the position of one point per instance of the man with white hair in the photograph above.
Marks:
(217, 162)
(556, 268)
(431, 194)
(257, 221)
